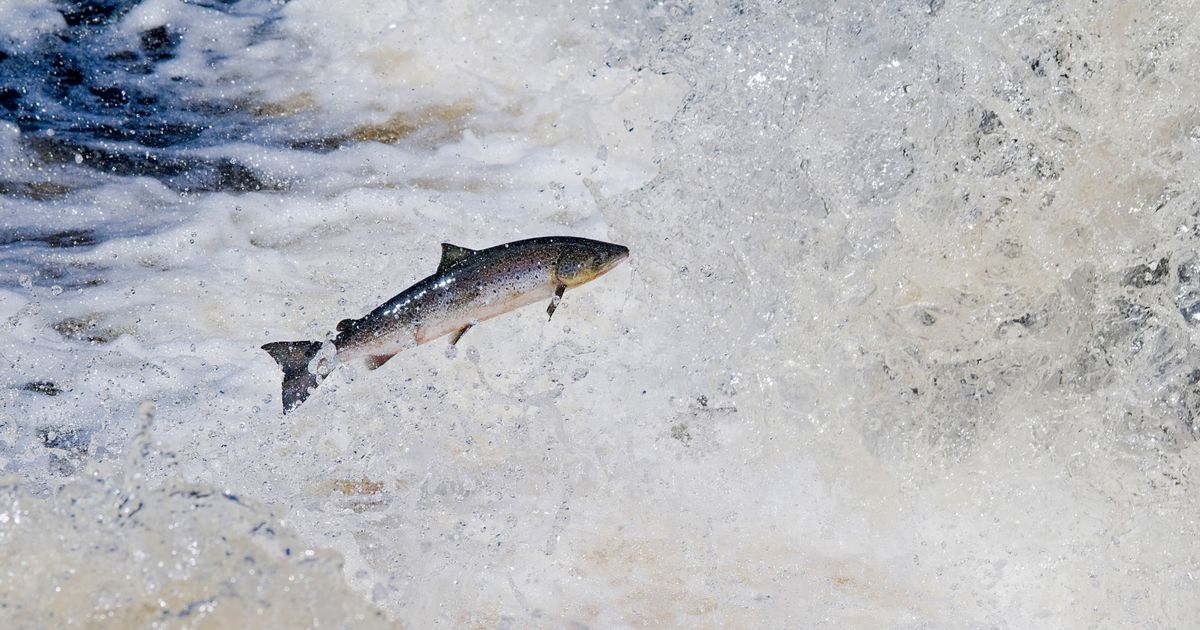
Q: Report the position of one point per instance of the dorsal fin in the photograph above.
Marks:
(452, 255)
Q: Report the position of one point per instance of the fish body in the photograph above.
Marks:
(469, 286)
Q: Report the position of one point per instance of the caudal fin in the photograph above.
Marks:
(298, 380)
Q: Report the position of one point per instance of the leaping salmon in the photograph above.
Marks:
(468, 287)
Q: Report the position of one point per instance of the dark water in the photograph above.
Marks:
(93, 95)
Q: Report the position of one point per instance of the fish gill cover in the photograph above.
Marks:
(907, 337)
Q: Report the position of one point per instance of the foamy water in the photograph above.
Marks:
(907, 338)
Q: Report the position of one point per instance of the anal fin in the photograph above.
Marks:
(375, 360)
(456, 335)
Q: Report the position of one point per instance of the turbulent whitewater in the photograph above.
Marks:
(908, 337)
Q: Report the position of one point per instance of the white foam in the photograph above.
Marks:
(25, 21)
(875, 359)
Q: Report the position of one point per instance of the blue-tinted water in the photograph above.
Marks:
(94, 94)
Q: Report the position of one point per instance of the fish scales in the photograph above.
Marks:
(469, 287)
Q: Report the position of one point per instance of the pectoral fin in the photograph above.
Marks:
(456, 335)
(558, 293)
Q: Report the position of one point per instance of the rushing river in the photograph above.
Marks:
(908, 337)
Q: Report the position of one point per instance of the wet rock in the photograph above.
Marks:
(95, 12)
(42, 387)
(66, 70)
(1187, 294)
(226, 176)
(1191, 309)
(287, 107)
(61, 151)
(1020, 326)
(9, 97)
(364, 486)
(1010, 248)
(68, 276)
(1188, 272)
(1131, 317)
(1046, 169)
(111, 96)
(165, 134)
(431, 123)
(37, 191)
(1142, 276)
(317, 145)
(990, 123)
(87, 328)
(159, 43)
(179, 172)
(68, 446)
(122, 56)
(61, 239)
(232, 176)
(70, 238)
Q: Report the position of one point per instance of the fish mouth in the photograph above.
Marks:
(614, 261)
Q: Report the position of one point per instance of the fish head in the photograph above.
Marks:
(583, 260)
